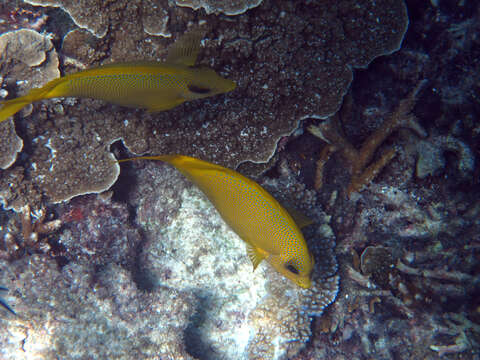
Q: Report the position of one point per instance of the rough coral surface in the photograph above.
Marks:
(96, 231)
(408, 244)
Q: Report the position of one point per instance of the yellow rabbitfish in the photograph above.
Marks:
(154, 86)
(268, 228)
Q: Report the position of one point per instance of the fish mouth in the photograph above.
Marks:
(305, 283)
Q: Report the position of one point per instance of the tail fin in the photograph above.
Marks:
(11, 107)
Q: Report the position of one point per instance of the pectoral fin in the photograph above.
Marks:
(185, 50)
(300, 219)
(256, 255)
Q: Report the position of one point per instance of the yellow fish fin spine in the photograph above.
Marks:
(185, 50)
(256, 255)
(11, 107)
(166, 158)
(179, 161)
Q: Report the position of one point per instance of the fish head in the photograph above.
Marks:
(205, 82)
(297, 269)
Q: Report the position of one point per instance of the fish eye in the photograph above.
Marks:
(291, 268)
(198, 89)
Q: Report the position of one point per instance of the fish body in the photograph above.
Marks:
(155, 86)
(267, 227)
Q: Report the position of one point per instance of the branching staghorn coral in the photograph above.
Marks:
(359, 161)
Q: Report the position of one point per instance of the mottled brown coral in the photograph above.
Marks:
(10, 144)
(291, 60)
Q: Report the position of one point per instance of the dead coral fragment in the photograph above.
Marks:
(431, 159)
(457, 325)
(359, 161)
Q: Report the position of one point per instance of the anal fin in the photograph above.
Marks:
(165, 104)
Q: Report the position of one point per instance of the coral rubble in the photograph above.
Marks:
(408, 244)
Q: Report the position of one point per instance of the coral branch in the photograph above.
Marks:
(358, 161)
(441, 274)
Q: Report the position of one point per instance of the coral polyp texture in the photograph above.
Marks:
(27, 59)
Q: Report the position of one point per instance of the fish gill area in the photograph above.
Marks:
(361, 114)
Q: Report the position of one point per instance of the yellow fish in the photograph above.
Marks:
(268, 228)
(155, 86)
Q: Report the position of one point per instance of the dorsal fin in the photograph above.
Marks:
(185, 50)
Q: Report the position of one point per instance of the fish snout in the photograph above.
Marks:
(304, 282)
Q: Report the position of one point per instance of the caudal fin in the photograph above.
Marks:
(11, 107)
